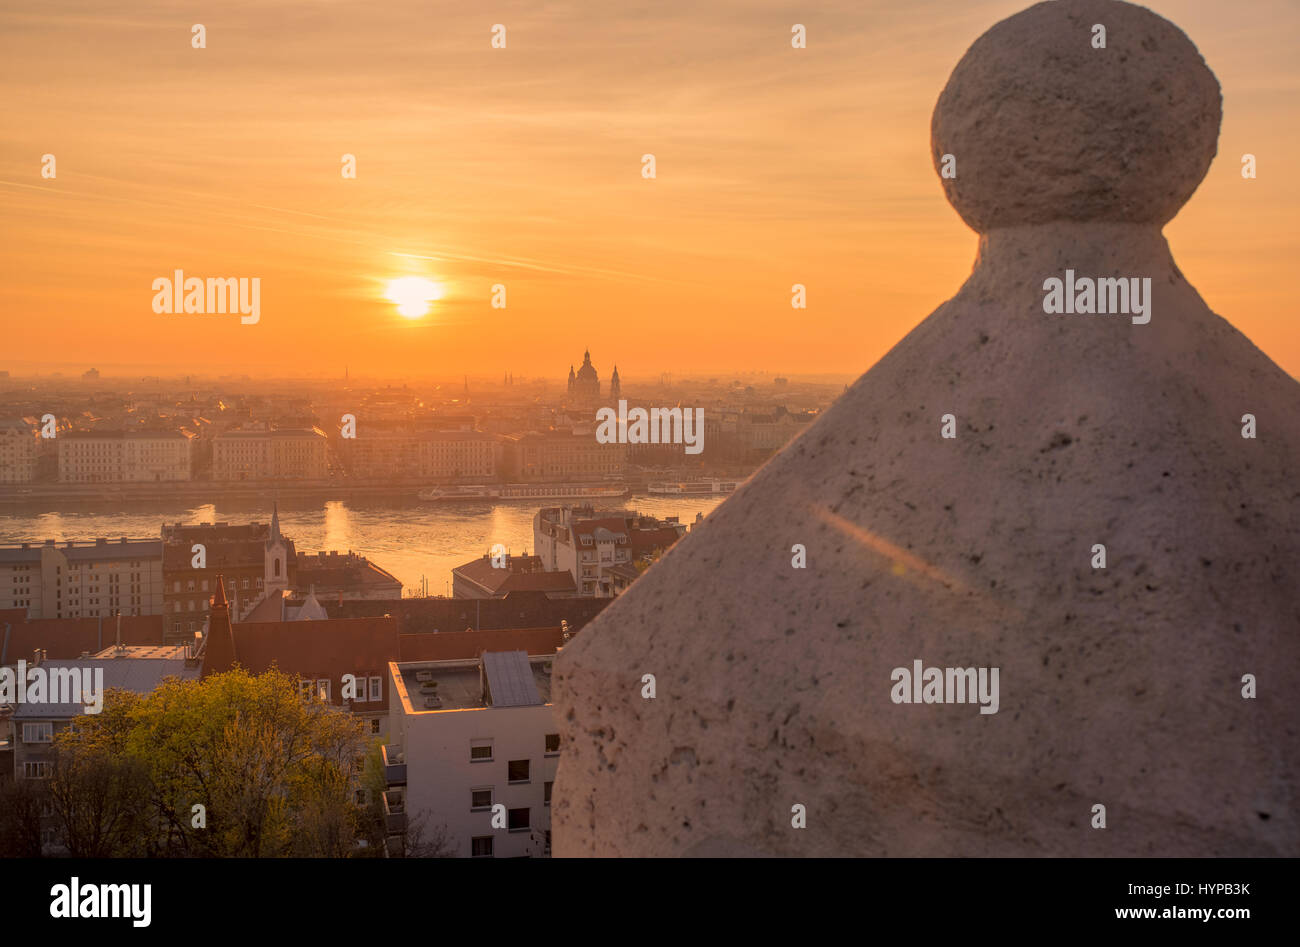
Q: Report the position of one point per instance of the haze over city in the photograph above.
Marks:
(522, 166)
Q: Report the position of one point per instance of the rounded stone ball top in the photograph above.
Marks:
(1045, 124)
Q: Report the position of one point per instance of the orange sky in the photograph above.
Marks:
(522, 166)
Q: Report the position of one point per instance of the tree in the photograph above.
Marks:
(20, 819)
(98, 792)
(231, 765)
(422, 842)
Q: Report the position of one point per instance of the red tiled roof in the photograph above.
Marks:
(309, 649)
(643, 540)
(519, 575)
(65, 638)
(613, 524)
(517, 610)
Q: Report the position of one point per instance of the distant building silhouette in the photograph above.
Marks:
(584, 386)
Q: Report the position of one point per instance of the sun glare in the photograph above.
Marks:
(413, 295)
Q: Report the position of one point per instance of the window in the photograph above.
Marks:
(376, 688)
(480, 751)
(552, 744)
(361, 797)
(518, 820)
(244, 583)
(305, 688)
(517, 771)
(323, 689)
(189, 585)
(481, 846)
(374, 725)
(37, 770)
(546, 794)
(38, 732)
(480, 798)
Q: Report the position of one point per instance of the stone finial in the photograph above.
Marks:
(738, 700)
(1046, 127)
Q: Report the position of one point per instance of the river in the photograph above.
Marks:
(410, 540)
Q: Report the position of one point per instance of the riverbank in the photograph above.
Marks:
(58, 496)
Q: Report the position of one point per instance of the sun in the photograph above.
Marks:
(413, 295)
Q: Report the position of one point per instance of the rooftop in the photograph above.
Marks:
(140, 673)
(497, 679)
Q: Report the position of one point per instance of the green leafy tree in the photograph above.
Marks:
(234, 765)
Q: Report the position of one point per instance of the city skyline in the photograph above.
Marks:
(522, 167)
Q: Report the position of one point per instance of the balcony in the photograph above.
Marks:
(394, 765)
(394, 812)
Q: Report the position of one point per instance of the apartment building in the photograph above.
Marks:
(335, 575)
(468, 736)
(254, 558)
(389, 453)
(19, 451)
(87, 579)
(284, 454)
(565, 458)
(118, 457)
(155, 457)
(591, 546)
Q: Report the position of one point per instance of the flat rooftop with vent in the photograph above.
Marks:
(500, 679)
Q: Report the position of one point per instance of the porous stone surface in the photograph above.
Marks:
(1119, 686)
(1044, 127)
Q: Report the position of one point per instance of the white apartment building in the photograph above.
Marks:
(467, 736)
(19, 449)
(153, 457)
(89, 457)
(449, 454)
(131, 457)
(270, 455)
(82, 579)
(427, 455)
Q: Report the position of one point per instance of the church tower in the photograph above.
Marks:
(585, 387)
(615, 387)
(275, 572)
